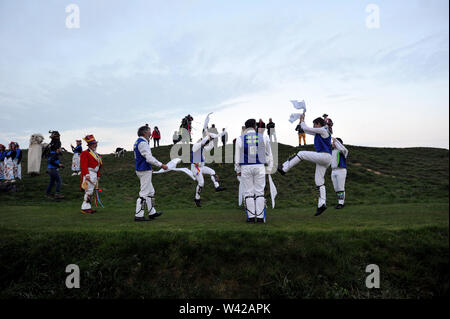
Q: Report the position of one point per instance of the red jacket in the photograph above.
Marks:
(156, 134)
(87, 159)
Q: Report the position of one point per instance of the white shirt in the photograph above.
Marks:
(144, 149)
(338, 147)
(267, 149)
(313, 131)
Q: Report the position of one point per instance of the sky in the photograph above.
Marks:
(381, 74)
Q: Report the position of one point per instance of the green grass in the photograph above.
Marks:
(396, 216)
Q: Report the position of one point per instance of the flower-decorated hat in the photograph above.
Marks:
(90, 139)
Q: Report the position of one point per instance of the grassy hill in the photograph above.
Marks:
(396, 216)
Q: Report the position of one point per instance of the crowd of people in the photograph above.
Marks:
(253, 160)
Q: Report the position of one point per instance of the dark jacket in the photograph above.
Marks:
(299, 129)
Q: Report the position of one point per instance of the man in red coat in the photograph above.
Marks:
(90, 162)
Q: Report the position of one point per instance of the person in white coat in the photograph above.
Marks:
(144, 162)
(253, 159)
(321, 157)
(339, 170)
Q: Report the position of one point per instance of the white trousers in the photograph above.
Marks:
(253, 181)
(89, 192)
(146, 194)
(198, 174)
(2, 170)
(322, 161)
(76, 162)
(18, 170)
(274, 135)
(338, 176)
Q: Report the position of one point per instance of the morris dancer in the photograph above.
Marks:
(252, 153)
(91, 163)
(76, 158)
(2, 161)
(339, 170)
(198, 167)
(322, 157)
(143, 162)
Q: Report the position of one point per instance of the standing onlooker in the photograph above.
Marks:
(2, 161)
(53, 167)
(156, 135)
(10, 165)
(76, 158)
(224, 137)
(329, 123)
(176, 137)
(18, 162)
(271, 130)
(213, 129)
(261, 126)
(301, 135)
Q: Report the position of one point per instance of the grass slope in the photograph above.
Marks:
(396, 217)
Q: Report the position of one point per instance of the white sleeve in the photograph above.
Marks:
(341, 148)
(237, 154)
(197, 145)
(313, 131)
(145, 151)
(269, 155)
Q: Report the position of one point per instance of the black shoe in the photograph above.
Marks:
(220, 188)
(320, 210)
(251, 220)
(141, 219)
(260, 220)
(197, 202)
(280, 170)
(339, 206)
(153, 216)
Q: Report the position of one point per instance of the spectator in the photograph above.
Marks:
(156, 135)
(329, 123)
(2, 161)
(53, 167)
(261, 126)
(224, 137)
(18, 162)
(176, 137)
(301, 135)
(213, 130)
(271, 130)
(10, 163)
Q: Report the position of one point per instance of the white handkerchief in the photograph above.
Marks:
(299, 105)
(172, 166)
(241, 191)
(273, 191)
(294, 117)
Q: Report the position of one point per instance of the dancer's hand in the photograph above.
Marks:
(302, 117)
(165, 167)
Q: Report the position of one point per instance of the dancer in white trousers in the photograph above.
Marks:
(90, 162)
(339, 170)
(144, 162)
(253, 158)
(198, 167)
(321, 157)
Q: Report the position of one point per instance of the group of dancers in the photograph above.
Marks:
(253, 160)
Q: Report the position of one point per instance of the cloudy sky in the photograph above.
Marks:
(383, 82)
